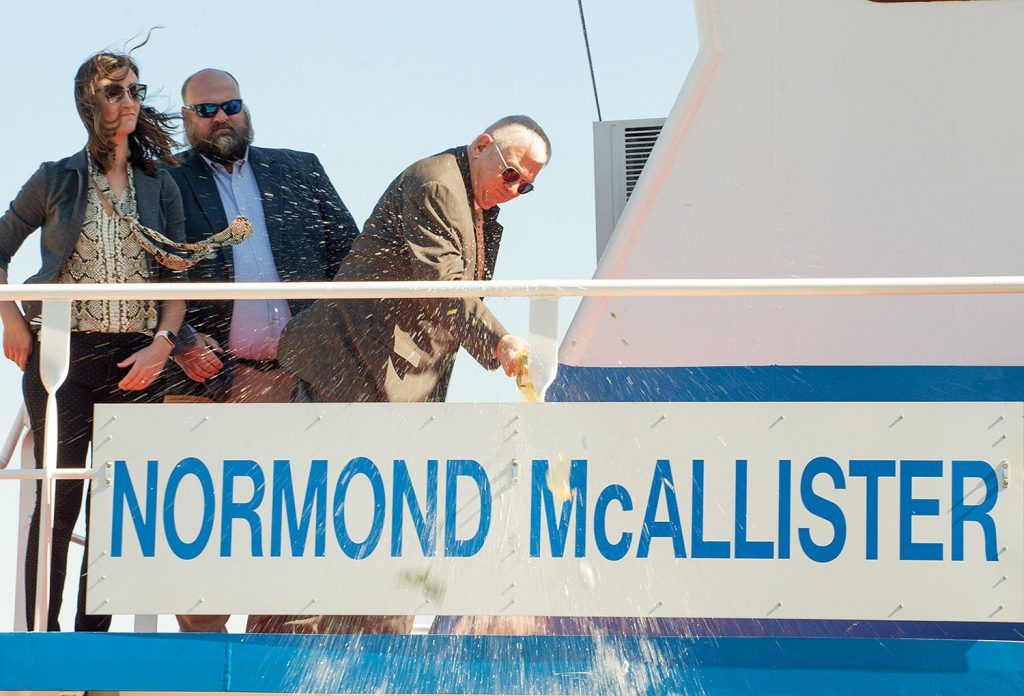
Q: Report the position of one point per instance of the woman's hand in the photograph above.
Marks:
(18, 341)
(146, 365)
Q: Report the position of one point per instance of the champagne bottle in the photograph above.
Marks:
(523, 381)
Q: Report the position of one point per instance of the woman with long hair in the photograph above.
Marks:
(106, 212)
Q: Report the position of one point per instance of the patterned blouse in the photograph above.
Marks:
(108, 252)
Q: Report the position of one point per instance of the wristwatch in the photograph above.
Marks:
(167, 335)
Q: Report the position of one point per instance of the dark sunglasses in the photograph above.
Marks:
(115, 93)
(230, 108)
(511, 175)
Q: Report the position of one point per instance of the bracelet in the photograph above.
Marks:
(167, 335)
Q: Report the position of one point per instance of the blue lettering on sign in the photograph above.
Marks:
(662, 485)
(785, 506)
(283, 506)
(145, 524)
(980, 513)
(358, 466)
(403, 495)
(189, 467)
(700, 547)
(745, 548)
(618, 550)
(465, 468)
(872, 470)
(559, 510)
(911, 507)
(558, 532)
(823, 508)
(231, 510)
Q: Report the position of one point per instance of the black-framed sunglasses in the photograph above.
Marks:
(511, 175)
(207, 110)
(115, 93)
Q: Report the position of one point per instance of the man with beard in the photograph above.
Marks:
(301, 231)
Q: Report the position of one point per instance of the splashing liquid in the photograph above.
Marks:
(523, 381)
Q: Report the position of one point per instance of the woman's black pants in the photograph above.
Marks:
(92, 379)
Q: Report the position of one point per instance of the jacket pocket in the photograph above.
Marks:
(406, 349)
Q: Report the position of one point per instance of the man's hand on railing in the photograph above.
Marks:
(199, 360)
(18, 340)
(508, 348)
(145, 365)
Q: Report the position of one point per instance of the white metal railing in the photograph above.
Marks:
(962, 285)
(544, 296)
(18, 428)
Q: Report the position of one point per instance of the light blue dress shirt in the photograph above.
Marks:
(256, 325)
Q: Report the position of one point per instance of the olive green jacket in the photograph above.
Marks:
(403, 349)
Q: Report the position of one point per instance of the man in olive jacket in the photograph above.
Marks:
(438, 222)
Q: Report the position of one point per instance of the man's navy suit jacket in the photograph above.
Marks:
(310, 230)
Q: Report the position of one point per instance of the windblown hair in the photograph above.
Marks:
(152, 139)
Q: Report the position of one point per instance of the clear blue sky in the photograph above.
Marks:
(370, 87)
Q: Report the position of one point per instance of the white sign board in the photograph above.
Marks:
(798, 510)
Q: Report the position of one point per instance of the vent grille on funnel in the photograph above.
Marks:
(639, 143)
(621, 149)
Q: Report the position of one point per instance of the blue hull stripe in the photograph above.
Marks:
(769, 628)
(506, 665)
(789, 383)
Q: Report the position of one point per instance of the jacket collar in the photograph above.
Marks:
(147, 188)
(78, 161)
(192, 159)
(492, 229)
(204, 189)
(462, 157)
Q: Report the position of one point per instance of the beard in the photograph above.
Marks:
(226, 145)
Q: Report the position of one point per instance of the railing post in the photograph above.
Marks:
(26, 502)
(15, 434)
(54, 361)
(543, 342)
(146, 623)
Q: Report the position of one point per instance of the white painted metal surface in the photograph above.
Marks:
(827, 139)
(616, 287)
(542, 326)
(26, 502)
(54, 361)
(14, 436)
(543, 343)
(622, 444)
